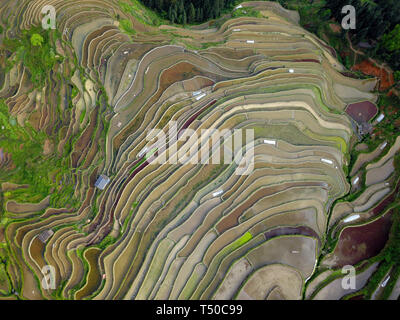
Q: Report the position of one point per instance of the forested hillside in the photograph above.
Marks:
(377, 21)
(189, 11)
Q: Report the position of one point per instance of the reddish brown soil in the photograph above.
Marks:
(179, 72)
(362, 111)
(393, 92)
(367, 67)
(335, 28)
(359, 243)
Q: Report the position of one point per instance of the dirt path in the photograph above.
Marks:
(382, 66)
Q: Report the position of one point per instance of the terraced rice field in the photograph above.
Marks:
(172, 231)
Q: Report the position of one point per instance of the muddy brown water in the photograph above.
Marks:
(85, 139)
(285, 231)
(362, 242)
(232, 219)
(387, 201)
(362, 111)
(93, 278)
(37, 251)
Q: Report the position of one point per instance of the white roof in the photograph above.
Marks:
(352, 218)
(216, 194)
(236, 30)
(141, 153)
(45, 235)
(291, 70)
(327, 161)
(384, 283)
(271, 142)
(196, 93)
(250, 41)
(383, 146)
(381, 117)
(102, 182)
(200, 96)
(356, 180)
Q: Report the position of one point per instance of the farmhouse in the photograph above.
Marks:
(271, 142)
(352, 218)
(218, 193)
(102, 182)
(45, 235)
(380, 118)
(200, 96)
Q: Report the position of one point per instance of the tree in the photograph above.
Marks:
(184, 18)
(37, 40)
(159, 4)
(391, 40)
(181, 7)
(207, 13)
(172, 14)
(192, 13)
(397, 76)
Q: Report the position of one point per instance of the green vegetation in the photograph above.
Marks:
(377, 22)
(36, 50)
(36, 40)
(391, 252)
(386, 130)
(82, 116)
(390, 286)
(107, 241)
(140, 12)
(30, 165)
(126, 26)
(243, 239)
(391, 40)
(249, 12)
